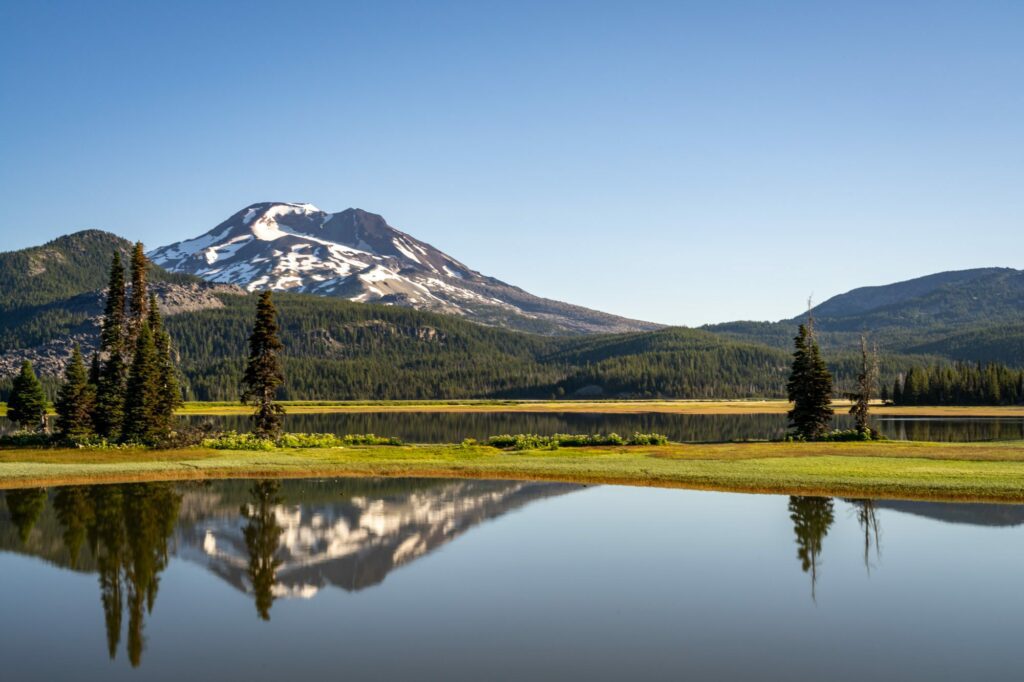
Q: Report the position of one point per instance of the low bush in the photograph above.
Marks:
(529, 441)
(27, 439)
(847, 435)
(248, 441)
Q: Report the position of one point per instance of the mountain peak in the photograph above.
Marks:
(356, 254)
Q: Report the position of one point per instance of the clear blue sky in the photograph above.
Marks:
(684, 162)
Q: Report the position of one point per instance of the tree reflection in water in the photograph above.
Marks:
(25, 506)
(127, 527)
(262, 537)
(812, 517)
(867, 519)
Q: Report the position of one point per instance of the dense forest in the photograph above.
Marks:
(959, 384)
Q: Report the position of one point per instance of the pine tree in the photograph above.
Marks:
(809, 387)
(139, 299)
(95, 368)
(167, 375)
(113, 378)
(26, 405)
(142, 397)
(897, 391)
(75, 401)
(263, 374)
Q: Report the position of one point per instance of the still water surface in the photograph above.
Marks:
(425, 427)
(453, 427)
(387, 579)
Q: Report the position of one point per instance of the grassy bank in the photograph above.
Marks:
(971, 471)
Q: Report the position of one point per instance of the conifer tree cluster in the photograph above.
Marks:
(809, 387)
(962, 383)
(131, 390)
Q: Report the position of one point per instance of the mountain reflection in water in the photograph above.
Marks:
(270, 539)
(273, 540)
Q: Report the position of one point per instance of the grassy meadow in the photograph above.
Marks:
(964, 471)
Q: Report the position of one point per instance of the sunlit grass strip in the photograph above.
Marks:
(973, 472)
(711, 407)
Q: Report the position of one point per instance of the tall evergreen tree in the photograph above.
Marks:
(138, 302)
(166, 374)
(76, 398)
(95, 369)
(142, 397)
(809, 387)
(263, 374)
(26, 405)
(113, 378)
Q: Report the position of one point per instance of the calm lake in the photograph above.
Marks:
(480, 580)
(425, 427)
(451, 427)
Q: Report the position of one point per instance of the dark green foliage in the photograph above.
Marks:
(250, 441)
(26, 405)
(63, 268)
(138, 301)
(168, 388)
(342, 350)
(76, 401)
(262, 537)
(143, 395)
(962, 383)
(529, 441)
(809, 388)
(110, 390)
(263, 374)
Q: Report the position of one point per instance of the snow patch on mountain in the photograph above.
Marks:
(356, 255)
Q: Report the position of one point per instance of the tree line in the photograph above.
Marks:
(131, 389)
(962, 383)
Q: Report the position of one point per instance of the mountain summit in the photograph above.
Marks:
(356, 255)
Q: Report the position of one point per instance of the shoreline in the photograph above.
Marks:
(963, 472)
(708, 407)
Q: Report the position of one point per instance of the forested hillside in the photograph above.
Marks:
(973, 315)
(336, 349)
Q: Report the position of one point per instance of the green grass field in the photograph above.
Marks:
(972, 471)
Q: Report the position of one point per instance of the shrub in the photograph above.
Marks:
(248, 441)
(27, 439)
(531, 441)
(238, 441)
(837, 436)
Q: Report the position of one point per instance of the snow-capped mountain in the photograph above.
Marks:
(357, 255)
